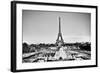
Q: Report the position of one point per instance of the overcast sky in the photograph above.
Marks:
(42, 26)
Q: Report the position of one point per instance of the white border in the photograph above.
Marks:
(21, 65)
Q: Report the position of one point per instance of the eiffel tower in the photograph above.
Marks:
(59, 41)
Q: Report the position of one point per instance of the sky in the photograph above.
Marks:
(42, 26)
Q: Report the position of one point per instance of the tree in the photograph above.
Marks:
(26, 48)
(85, 46)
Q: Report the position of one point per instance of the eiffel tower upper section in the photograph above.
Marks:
(59, 38)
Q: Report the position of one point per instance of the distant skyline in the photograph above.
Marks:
(42, 26)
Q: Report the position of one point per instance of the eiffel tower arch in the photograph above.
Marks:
(59, 41)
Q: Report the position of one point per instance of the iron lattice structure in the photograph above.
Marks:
(59, 38)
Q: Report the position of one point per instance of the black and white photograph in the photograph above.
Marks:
(47, 36)
(55, 36)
